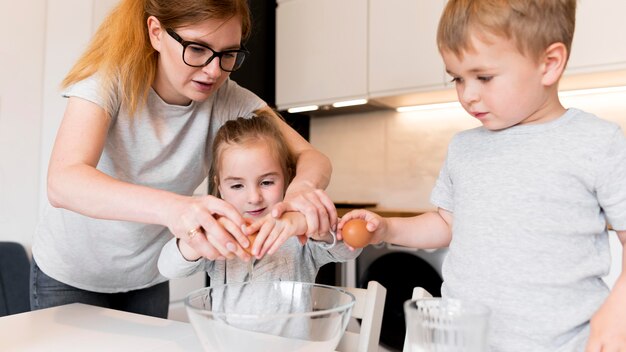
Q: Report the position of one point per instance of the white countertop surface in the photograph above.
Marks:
(80, 327)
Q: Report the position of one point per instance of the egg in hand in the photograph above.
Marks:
(251, 238)
(355, 233)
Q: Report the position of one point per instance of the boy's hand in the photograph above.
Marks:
(608, 331)
(375, 224)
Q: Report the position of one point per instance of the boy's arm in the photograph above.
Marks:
(429, 230)
(608, 331)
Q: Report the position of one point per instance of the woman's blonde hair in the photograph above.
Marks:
(533, 24)
(121, 53)
(246, 131)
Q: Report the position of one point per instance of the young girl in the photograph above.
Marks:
(144, 102)
(251, 171)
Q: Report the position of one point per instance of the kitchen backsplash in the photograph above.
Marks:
(393, 158)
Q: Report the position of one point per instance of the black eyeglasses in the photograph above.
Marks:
(199, 55)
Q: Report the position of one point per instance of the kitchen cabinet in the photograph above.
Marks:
(386, 50)
(403, 54)
(597, 42)
(321, 51)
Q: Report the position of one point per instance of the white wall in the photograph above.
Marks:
(22, 25)
(40, 41)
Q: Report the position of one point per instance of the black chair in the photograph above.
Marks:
(14, 279)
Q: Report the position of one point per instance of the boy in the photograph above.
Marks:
(523, 201)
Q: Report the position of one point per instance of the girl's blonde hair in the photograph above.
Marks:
(533, 24)
(245, 131)
(120, 50)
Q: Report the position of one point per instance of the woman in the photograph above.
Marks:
(145, 100)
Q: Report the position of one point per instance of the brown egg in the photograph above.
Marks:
(356, 234)
(251, 238)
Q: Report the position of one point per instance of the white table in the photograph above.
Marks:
(80, 327)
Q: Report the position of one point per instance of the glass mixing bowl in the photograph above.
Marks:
(269, 316)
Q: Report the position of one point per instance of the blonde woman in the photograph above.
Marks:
(144, 102)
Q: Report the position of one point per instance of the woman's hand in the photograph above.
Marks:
(316, 206)
(210, 226)
(273, 232)
(375, 224)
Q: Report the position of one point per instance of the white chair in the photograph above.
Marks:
(369, 306)
(418, 292)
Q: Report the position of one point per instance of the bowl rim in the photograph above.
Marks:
(448, 306)
(339, 308)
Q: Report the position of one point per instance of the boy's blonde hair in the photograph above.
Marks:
(246, 131)
(120, 50)
(533, 24)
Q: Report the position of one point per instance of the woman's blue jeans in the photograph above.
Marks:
(47, 292)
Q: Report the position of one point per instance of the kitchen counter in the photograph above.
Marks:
(343, 208)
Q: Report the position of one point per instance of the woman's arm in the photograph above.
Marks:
(305, 193)
(75, 184)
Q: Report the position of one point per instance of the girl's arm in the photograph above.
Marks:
(75, 184)
(305, 192)
(608, 332)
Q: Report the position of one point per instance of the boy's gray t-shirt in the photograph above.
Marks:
(530, 206)
(162, 146)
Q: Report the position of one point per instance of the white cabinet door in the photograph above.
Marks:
(403, 50)
(321, 51)
(598, 44)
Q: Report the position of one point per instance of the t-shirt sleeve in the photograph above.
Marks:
(172, 264)
(91, 90)
(442, 194)
(234, 101)
(611, 181)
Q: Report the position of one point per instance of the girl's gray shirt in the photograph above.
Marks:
(529, 237)
(162, 146)
(291, 262)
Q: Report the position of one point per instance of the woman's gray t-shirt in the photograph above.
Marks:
(162, 146)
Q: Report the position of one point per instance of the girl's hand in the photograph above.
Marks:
(273, 232)
(375, 224)
(209, 225)
(316, 206)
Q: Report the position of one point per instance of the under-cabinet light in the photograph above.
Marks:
(601, 90)
(567, 93)
(302, 109)
(422, 107)
(341, 104)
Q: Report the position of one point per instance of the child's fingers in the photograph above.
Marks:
(269, 242)
(284, 235)
(262, 236)
(253, 227)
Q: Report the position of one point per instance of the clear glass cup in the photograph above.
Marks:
(446, 325)
(278, 316)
